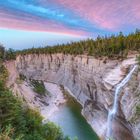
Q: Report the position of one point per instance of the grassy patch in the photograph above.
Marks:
(3, 73)
(38, 87)
(136, 115)
(22, 77)
(138, 110)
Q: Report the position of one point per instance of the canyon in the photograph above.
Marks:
(91, 81)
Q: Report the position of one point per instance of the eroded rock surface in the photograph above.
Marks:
(92, 82)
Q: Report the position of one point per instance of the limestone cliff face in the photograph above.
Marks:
(130, 101)
(92, 82)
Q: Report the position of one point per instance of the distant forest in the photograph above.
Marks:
(114, 46)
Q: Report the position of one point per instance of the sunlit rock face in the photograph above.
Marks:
(92, 82)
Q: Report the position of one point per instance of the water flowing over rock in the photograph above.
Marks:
(92, 82)
(113, 111)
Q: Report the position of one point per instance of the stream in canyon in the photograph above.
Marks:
(73, 124)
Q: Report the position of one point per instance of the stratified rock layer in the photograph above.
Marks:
(92, 82)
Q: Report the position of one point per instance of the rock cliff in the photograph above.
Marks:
(92, 82)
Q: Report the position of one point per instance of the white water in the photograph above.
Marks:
(114, 109)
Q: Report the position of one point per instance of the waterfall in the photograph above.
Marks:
(114, 109)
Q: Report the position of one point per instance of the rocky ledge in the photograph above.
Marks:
(92, 82)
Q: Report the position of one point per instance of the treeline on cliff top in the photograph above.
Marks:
(112, 46)
(109, 46)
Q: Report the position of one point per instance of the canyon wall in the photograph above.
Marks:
(92, 82)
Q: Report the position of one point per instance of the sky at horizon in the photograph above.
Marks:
(22, 39)
(28, 23)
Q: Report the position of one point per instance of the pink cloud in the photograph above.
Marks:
(136, 10)
(33, 23)
(108, 14)
(112, 15)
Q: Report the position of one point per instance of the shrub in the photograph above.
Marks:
(38, 87)
(21, 123)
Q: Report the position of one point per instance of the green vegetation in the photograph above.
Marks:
(138, 106)
(6, 54)
(113, 46)
(22, 77)
(7, 134)
(38, 87)
(136, 115)
(25, 122)
(18, 122)
(138, 110)
(138, 60)
(3, 73)
(2, 52)
(10, 54)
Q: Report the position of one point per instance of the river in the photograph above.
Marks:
(71, 121)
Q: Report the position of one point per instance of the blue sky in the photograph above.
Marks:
(19, 39)
(28, 23)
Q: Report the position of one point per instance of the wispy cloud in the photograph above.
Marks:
(107, 14)
(80, 17)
